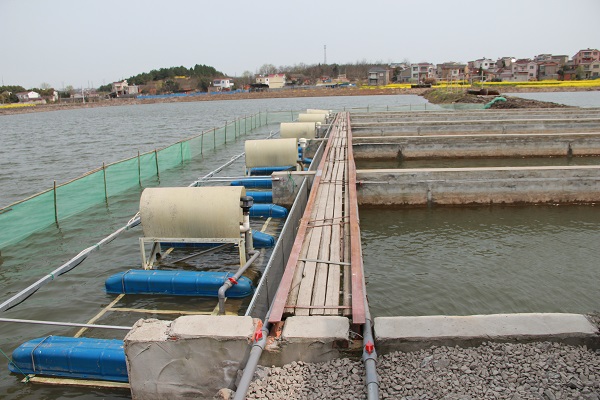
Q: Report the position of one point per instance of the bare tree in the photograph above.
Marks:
(267, 69)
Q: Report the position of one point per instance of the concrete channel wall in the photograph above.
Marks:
(474, 115)
(477, 146)
(454, 186)
(545, 125)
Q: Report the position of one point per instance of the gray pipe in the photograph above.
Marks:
(370, 360)
(251, 364)
(228, 283)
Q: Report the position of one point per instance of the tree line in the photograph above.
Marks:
(202, 71)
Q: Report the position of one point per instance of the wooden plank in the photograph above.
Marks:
(295, 286)
(79, 382)
(333, 278)
(320, 284)
(305, 292)
(310, 268)
(284, 286)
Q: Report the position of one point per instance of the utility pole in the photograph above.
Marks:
(325, 54)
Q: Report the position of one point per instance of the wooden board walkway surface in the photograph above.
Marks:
(317, 279)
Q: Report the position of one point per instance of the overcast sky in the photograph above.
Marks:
(94, 42)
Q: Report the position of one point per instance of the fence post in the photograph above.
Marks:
(139, 170)
(181, 151)
(105, 189)
(201, 142)
(245, 125)
(225, 132)
(214, 138)
(55, 205)
(157, 170)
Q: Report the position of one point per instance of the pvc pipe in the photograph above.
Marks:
(38, 322)
(257, 348)
(229, 282)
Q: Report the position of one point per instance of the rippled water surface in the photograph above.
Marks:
(481, 260)
(577, 99)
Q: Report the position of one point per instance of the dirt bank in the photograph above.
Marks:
(442, 96)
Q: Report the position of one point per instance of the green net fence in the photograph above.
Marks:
(21, 219)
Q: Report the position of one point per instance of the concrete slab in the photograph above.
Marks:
(224, 327)
(302, 329)
(412, 333)
(310, 339)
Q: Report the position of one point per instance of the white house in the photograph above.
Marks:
(483, 63)
(223, 83)
(28, 97)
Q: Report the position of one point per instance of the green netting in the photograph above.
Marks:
(147, 166)
(172, 156)
(38, 212)
(22, 219)
(80, 194)
(195, 145)
(219, 136)
(122, 176)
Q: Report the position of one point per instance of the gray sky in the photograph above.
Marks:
(73, 42)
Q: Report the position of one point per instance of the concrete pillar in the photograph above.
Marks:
(192, 356)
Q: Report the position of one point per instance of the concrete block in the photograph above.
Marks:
(309, 339)
(193, 356)
(287, 184)
(309, 329)
(413, 333)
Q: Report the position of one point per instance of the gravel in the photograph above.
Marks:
(543, 371)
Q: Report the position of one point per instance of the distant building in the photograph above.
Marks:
(379, 76)
(274, 81)
(223, 83)
(586, 56)
(29, 97)
(422, 71)
(122, 88)
(451, 71)
(547, 70)
(482, 63)
(524, 70)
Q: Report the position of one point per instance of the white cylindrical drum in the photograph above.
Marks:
(192, 212)
(298, 130)
(316, 111)
(271, 153)
(312, 118)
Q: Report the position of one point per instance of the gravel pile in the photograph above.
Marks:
(492, 371)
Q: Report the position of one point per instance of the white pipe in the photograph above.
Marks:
(37, 322)
(66, 267)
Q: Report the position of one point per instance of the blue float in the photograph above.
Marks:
(253, 183)
(83, 358)
(262, 240)
(261, 197)
(176, 283)
(268, 210)
(270, 170)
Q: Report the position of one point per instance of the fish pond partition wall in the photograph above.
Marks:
(41, 210)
